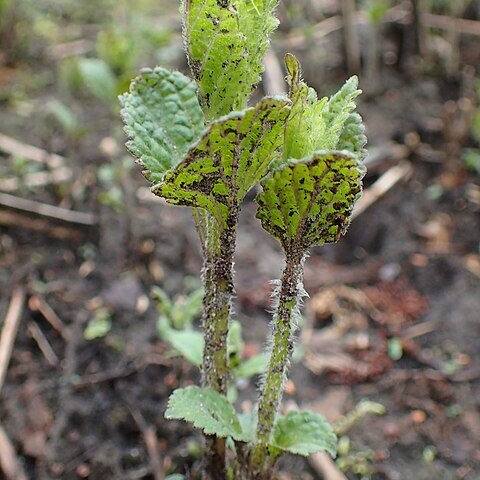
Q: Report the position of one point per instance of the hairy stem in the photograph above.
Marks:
(282, 348)
(218, 248)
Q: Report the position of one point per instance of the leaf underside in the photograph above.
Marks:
(309, 202)
(162, 120)
(304, 433)
(229, 159)
(226, 41)
(207, 410)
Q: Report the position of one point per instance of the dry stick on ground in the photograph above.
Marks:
(20, 220)
(35, 180)
(29, 152)
(323, 464)
(461, 25)
(150, 438)
(395, 15)
(273, 76)
(51, 211)
(43, 344)
(8, 459)
(352, 41)
(418, 11)
(387, 181)
(9, 330)
(38, 303)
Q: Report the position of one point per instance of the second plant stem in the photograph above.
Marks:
(281, 353)
(219, 248)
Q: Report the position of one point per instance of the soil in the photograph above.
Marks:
(399, 297)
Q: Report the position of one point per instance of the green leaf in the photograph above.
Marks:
(226, 41)
(315, 125)
(207, 410)
(230, 158)
(188, 343)
(99, 325)
(253, 366)
(162, 119)
(248, 422)
(234, 343)
(304, 433)
(337, 116)
(98, 78)
(353, 137)
(186, 308)
(304, 124)
(309, 202)
(321, 124)
(365, 407)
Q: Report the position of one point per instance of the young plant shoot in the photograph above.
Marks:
(201, 146)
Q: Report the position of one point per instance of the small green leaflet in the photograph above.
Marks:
(98, 78)
(305, 124)
(326, 124)
(226, 41)
(253, 366)
(339, 116)
(207, 410)
(162, 120)
(353, 137)
(248, 421)
(304, 433)
(188, 342)
(309, 202)
(230, 158)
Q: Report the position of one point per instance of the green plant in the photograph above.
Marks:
(202, 147)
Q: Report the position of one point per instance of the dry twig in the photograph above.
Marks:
(150, 438)
(9, 463)
(43, 344)
(9, 330)
(14, 219)
(387, 181)
(14, 147)
(273, 77)
(325, 466)
(39, 304)
(352, 40)
(46, 210)
(37, 179)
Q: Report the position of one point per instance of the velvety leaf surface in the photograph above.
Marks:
(230, 158)
(162, 119)
(226, 41)
(343, 126)
(309, 202)
(304, 433)
(207, 410)
(353, 136)
(326, 124)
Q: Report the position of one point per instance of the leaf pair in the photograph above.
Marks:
(213, 170)
(301, 433)
(189, 344)
(309, 196)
